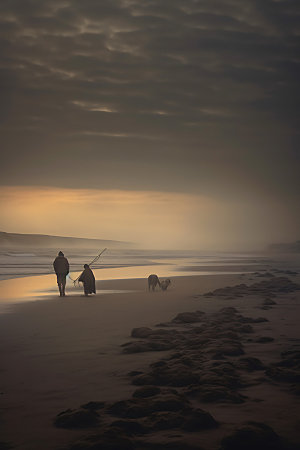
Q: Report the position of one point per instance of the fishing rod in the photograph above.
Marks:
(92, 262)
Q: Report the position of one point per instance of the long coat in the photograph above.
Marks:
(61, 265)
(88, 280)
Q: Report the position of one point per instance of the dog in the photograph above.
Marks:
(164, 284)
(153, 281)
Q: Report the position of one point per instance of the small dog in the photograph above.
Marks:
(164, 284)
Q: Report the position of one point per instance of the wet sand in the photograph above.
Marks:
(61, 353)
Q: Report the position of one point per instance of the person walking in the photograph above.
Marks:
(61, 267)
(88, 280)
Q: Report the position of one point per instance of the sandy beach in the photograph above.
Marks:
(61, 353)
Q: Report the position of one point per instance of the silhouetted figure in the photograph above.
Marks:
(88, 280)
(61, 267)
(153, 281)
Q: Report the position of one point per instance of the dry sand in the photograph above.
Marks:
(61, 353)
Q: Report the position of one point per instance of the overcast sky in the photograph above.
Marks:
(197, 99)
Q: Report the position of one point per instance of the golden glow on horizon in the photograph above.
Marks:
(149, 219)
(146, 218)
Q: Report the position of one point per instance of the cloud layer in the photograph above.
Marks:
(188, 96)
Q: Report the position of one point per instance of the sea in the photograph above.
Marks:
(29, 275)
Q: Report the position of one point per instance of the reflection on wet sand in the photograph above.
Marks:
(39, 286)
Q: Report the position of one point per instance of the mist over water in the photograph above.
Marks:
(15, 264)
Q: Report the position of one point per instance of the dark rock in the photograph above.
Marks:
(146, 391)
(217, 394)
(168, 403)
(252, 320)
(132, 408)
(253, 436)
(269, 301)
(267, 287)
(140, 407)
(229, 310)
(149, 346)
(283, 374)
(225, 348)
(166, 420)
(80, 418)
(244, 329)
(177, 376)
(199, 420)
(134, 373)
(142, 332)
(264, 339)
(290, 358)
(145, 332)
(189, 317)
(93, 405)
(250, 364)
(288, 369)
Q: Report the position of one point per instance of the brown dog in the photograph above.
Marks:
(164, 284)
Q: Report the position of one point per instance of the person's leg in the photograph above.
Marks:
(59, 283)
(63, 285)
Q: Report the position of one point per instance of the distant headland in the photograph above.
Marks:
(9, 240)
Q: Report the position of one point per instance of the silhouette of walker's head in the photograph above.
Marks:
(86, 266)
(61, 254)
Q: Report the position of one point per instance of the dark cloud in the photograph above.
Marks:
(176, 95)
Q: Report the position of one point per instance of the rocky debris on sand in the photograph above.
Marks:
(226, 325)
(214, 393)
(276, 285)
(124, 423)
(288, 369)
(207, 364)
(253, 435)
(134, 408)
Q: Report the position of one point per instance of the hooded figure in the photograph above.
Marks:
(61, 267)
(88, 280)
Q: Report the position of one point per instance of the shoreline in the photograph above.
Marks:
(61, 353)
